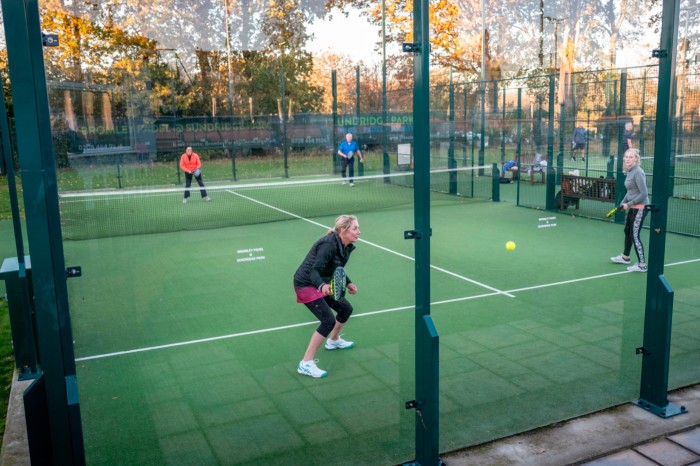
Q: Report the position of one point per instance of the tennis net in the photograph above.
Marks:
(88, 215)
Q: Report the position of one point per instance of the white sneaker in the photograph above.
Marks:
(352, 184)
(207, 198)
(620, 260)
(184, 200)
(637, 268)
(311, 369)
(339, 344)
(345, 182)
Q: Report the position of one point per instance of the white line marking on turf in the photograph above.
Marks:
(474, 282)
(364, 314)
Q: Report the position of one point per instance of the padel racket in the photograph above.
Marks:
(197, 172)
(338, 283)
(613, 212)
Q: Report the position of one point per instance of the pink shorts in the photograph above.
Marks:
(307, 294)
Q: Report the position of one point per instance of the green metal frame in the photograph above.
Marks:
(519, 124)
(622, 120)
(451, 162)
(482, 130)
(53, 396)
(551, 181)
(334, 141)
(283, 121)
(426, 335)
(385, 141)
(16, 271)
(360, 166)
(656, 349)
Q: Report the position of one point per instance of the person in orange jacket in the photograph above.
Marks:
(192, 166)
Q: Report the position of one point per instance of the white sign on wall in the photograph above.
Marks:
(404, 154)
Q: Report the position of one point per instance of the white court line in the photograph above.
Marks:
(364, 314)
(376, 245)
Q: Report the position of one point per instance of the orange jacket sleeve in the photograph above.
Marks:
(190, 164)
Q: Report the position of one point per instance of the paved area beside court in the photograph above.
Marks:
(15, 450)
(622, 436)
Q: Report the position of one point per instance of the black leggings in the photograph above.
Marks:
(633, 226)
(321, 308)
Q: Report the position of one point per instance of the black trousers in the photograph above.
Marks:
(344, 163)
(188, 183)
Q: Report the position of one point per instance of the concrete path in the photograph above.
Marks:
(622, 436)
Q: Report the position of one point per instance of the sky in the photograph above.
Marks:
(355, 37)
(352, 36)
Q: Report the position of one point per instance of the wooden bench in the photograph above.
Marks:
(574, 188)
(526, 163)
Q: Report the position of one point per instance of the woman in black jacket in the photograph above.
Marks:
(311, 284)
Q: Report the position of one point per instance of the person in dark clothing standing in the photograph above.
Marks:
(578, 143)
(627, 138)
(312, 287)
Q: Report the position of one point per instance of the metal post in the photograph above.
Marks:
(562, 125)
(483, 127)
(495, 183)
(676, 138)
(284, 123)
(606, 114)
(690, 130)
(451, 163)
(659, 296)
(541, 33)
(572, 98)
(473, 141)
(556, 45)
(360, 166)
(503, 128)
(18, 285)
(641, 120)
(228, 55)
(676, 144)
(385, 148)
(464, 147)
(679, 124)
(334, 135)
(551, 181)
(52, 406)
(427, 377)
(519, 116)
(588, 126)
(611, 167)
(620, 177)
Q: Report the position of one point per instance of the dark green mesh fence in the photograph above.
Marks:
(134, 212)
(471, 124)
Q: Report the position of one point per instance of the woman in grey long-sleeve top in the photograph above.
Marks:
(635, 200)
